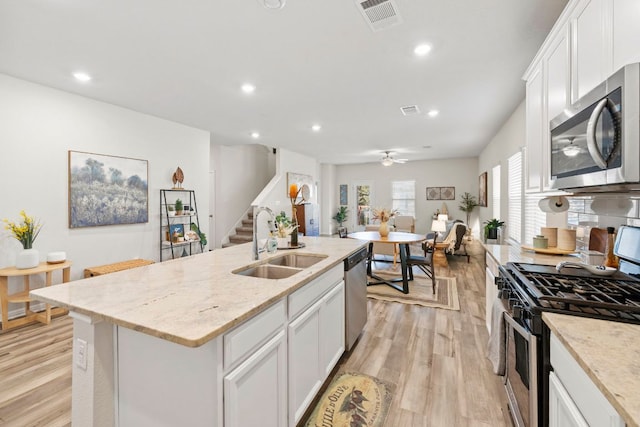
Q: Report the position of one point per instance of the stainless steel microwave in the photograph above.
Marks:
(595, 143)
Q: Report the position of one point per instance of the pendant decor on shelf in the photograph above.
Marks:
(177, 178)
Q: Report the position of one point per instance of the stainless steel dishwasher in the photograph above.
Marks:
(355, 283)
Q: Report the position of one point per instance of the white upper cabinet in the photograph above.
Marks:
(535, 116)
(588, 53)
(591, 40)
(626, 36)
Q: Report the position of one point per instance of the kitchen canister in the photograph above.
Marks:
(551, 233)
(566, 239)
(540, 242)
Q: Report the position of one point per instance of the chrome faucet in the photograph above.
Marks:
(271, 222)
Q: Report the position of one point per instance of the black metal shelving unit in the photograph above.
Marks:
(167, 243)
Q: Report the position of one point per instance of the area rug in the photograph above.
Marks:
(420, 291)
(353, 400)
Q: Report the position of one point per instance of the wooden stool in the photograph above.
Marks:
(118, 266)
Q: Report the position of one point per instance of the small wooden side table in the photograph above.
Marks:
(23, 296)
(439, 256)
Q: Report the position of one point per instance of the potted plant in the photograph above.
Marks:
(179, 207)
(491, 228)
(467, 204)
(340, 217)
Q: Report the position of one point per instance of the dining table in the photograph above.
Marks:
(403, 240)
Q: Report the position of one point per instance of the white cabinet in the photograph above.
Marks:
(491, 290)
(534, 117)
(577, 400)
(255, 393)
(626, 34)
(590, 40)
(332, 326)
(316, 342)
(562, 411)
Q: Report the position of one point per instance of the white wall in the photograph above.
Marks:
(38, 127)
(329, 203)
(459, 173)
(509, 140)
(241, 172)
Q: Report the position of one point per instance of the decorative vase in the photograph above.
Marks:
(28, 258)
(294, 238)
(383, 229)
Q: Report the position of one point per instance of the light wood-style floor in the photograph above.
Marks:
(434, 357)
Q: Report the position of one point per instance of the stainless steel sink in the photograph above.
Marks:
(266, 271)
(297, 260)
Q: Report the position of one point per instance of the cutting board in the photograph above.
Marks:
(549, 251)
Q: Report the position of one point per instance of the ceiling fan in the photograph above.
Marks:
(387, 160)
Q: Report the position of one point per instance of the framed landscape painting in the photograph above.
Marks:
(107, 190)
(482, 190)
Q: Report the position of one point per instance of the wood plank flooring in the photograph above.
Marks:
(434, 357)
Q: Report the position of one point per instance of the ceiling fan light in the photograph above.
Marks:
(571, 151)
(387, 161)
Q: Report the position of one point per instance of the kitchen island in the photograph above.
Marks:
(171, 343)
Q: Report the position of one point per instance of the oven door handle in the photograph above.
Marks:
(517, 327)
(592, 143)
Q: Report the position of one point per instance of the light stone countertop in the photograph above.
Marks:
(194, 299)
(608, 353)
(512, 253)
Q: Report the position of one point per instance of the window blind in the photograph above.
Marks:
(515, 197)
(403, 195)
(534, 218)
(495, 177)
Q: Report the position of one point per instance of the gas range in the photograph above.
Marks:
(573, 291)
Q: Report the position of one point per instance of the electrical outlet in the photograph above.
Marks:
(81, 354)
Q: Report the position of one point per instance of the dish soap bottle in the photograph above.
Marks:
(610, 260)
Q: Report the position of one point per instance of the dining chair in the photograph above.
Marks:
(424, 263)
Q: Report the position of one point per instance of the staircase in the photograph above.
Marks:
(244, 233)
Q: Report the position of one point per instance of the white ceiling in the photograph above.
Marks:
(314, 61)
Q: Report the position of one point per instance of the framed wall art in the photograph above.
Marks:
(300, 179)
(433, 193)
(343, 194)
(107, 190)
(482, 193)
(447, 193)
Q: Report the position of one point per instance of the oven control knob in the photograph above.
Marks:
(512, 302)
(517, 311)
(505, 294)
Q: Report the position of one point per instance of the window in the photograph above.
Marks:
(495, 177)
(534, 218)
(403, 195)
(514, 220)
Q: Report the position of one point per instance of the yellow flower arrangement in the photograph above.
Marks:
(26, 231)
(384, 214)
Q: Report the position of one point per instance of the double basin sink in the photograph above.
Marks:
(281, 267)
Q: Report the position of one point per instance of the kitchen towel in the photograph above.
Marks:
(497, 339)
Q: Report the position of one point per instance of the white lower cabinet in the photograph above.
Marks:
(562, 411)
(316, 342)
(255, 392)
(491, 290)
(574, 400)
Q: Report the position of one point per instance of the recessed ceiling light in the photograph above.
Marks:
(433, 113)
(426, 146)
(274, 4)
(255, 135)
(82, 77)
(422, 49)
(248, 88)
(316, 128)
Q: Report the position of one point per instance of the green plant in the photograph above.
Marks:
(467, 204)
(492, 224)
(178, 205)
(26, 231)
(201, 235)
(341, 215)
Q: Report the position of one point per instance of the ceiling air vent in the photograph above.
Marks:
(379, 14)
(410, 110)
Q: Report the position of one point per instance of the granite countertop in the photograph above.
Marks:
(608, 353)
(194, 299)
(512, 253)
